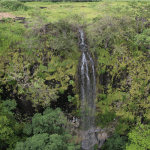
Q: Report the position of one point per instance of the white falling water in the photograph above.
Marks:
(87, 95)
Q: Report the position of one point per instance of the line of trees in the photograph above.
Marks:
(53, 0)
(56, 0)
(59, 0)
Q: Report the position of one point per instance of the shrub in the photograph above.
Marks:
(48, 133)
(115, 142)
(143, 39)
(11, 132)
(14, 5)
(139, 137)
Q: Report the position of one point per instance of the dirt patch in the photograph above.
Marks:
(6, 15)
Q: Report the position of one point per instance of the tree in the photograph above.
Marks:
(47, 132)
(11, 131)
(143, 39)
(14, 6)
(115, 142)
(18, 75)
(140, 13)
(139, 137)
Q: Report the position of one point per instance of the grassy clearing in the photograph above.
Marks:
(56, 11)
(126, 0)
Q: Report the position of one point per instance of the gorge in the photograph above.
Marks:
(88, 95)
(94, 68)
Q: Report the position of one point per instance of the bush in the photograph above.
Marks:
(143, 40)
(115, 142)
(11, 132)
(47, 132)
(139, 137)
(14, 5)
(103, 119)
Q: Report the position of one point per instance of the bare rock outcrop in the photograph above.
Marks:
(94, 135)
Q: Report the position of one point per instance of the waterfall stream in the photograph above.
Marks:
(87, 96)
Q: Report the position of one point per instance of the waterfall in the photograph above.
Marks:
(88, 83)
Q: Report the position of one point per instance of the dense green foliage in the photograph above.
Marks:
(143, 39)
(14, 5)
(123, 51)
(11, 131)
(115, 142)
(17, 4)
(47, 132)
(119, 42)
(139, 137)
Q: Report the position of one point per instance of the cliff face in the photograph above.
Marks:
(99, 135)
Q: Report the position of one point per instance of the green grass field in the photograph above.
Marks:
(125, 0)
(55, 12)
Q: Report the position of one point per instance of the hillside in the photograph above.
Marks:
(39, 69)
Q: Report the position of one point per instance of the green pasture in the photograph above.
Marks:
(56, 11)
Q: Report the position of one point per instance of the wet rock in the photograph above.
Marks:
(90, 139)
(43, 7)
(2, 21)
(101, 142)
(95, 135)
(20, 18)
